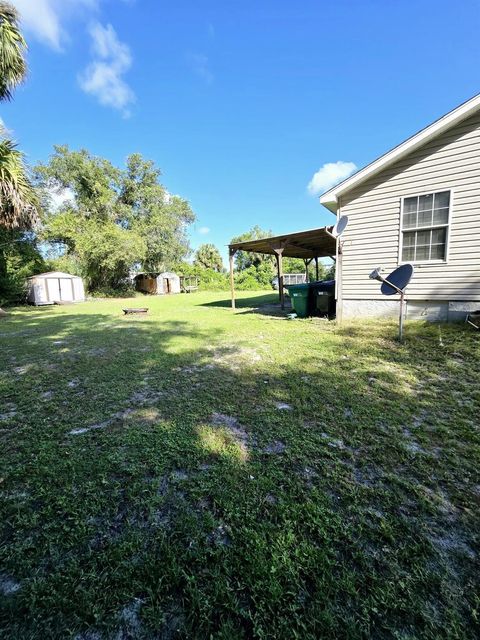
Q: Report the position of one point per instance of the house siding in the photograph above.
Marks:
(450, 161)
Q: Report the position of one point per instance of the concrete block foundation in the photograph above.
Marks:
(430, 310)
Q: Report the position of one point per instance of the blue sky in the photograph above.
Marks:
(242, 103)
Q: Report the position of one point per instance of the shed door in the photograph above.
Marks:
(66, 289)
(53, 289)
(77, 289)
(39, 295)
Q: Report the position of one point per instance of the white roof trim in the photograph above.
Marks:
(330, 198)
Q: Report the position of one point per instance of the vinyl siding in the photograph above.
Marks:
(451, 161)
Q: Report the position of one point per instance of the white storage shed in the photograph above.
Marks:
(55, 287)
(168, 282)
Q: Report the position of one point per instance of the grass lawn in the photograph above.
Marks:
(198, 473)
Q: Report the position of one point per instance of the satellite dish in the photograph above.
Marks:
(396, 282)
(399, 278)
(340, 226)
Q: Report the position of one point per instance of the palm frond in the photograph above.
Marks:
(19, 203)
(13, 66)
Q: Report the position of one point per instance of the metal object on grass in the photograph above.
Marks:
(135, 310)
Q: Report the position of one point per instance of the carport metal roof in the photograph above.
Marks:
(307, 245)
(314, 243)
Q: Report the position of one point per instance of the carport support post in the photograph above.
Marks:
(232, 253)
(316, 269)
(278, 256)
(306, 262)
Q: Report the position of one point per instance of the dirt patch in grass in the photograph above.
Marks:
(275, 447)
(367, 476)
(22, 370)
(130, 623)
(232, 424)
(448, 543)
(235, 357)
(8, 585)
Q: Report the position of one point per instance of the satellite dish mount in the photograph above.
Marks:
(396, 282)
(337, 230)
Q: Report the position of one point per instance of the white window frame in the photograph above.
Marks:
(442, 226)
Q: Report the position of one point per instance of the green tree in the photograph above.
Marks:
(116, 218)
(18, 200)
(19, 259)
(208, 257)
(93, 182)
(160, 218)
(245, 259)
(107, 253)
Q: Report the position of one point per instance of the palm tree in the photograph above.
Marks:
(13, 67)
(18, 200)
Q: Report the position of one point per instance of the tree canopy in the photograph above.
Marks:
(208, 257)
(112, 218)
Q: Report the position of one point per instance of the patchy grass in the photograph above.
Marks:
(198, 473)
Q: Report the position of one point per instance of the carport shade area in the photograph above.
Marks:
(307, 245)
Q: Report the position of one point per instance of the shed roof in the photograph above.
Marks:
(314, 243)
(53, 274)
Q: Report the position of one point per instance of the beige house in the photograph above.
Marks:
(418, 203)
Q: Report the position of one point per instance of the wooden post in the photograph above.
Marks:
(232, 253)
(278, 253)
(316, 268)
(278, 277)
(306, 262)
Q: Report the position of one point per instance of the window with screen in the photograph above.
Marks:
(425, 222)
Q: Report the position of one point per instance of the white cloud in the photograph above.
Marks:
(4, 130)
(204, 230)
(44, 19)
(330, 174)
(201, 66)
(103, 77)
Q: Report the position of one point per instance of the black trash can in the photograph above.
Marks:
(322, 299)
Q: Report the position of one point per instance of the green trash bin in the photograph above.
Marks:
(299, 294)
